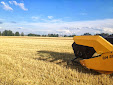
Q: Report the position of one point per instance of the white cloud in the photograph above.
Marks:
(35, 18)
(49, 20)
(52, 20)
(108, 30)
(83, 13)
(50, 17)
(64, 31)
(6, 6)
(56, 20)
(77, 27)
(20, 27)
(21, 5)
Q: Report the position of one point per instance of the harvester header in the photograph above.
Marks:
(96, 52)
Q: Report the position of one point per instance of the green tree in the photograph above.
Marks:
(65, 35)
(30, 34)
(7, 33)
(103, 34)
(44, 35)
(86, 34)
(53, 35)
(0, 33)
(17, 34)
(13, 34)
(4, 33)
(22, 34)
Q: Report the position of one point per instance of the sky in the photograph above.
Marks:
(57, 16)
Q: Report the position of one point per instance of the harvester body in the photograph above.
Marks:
(86, 46)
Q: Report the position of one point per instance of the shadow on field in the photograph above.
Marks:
(63, 59)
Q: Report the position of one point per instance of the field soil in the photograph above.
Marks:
(44, 61)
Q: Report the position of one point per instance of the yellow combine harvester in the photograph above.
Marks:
(87, 48)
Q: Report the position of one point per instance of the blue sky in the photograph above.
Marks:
(57, 16)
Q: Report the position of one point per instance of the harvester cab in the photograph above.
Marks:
(95, 52)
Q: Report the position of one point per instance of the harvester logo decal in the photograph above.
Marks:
(107, 57)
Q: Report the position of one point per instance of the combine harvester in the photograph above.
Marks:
(94, 52)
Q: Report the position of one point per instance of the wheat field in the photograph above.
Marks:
(43, 61)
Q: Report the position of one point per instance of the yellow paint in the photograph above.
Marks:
(102, 63)
(97, 42)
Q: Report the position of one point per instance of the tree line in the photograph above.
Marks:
(10, 33)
